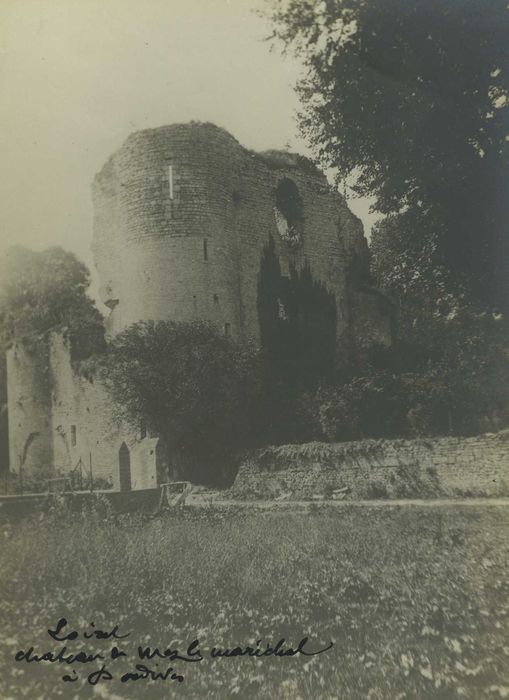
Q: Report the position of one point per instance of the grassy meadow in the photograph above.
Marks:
(416, 601)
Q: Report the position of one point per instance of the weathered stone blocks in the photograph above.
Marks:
(445, 466)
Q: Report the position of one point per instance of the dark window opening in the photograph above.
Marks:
(289, 211)
(195, 303)
(289, 201)
(227, 329)
(216, 299)
(73, 435)
(205, 249)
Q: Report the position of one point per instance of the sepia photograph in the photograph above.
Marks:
(254, 350)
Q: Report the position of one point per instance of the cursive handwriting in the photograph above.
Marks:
(192, 654)
(60, 657)
(145, 674)
(61, 632)
(277, 650)
(97, 633)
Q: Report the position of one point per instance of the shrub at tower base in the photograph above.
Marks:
(192, 386)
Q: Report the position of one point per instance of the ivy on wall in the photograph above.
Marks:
(297, 316)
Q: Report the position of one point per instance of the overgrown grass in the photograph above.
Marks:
(415, 600)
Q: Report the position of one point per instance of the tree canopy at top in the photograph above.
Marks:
(47, 291)
(411, 98)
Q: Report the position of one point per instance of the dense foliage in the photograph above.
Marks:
(297, 317)
(47, 291)
(452, 353)
(448, 376)
(39, 293)
(189, 384)
(447, 371)
(411, 99)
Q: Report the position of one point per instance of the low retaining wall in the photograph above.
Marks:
(146, 500)
(448, 466)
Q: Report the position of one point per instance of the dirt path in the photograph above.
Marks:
(412, 502)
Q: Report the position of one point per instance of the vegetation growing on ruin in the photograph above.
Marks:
(277, 160)
(42, 292)
(189, 384)
(297, 318)
(46, 291)
(415, 600)
(448, 369)
(411, 100)
(417, 121)
(447, 372)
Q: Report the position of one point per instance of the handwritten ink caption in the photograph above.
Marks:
(146, 666)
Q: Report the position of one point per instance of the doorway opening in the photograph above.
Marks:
(124, 465)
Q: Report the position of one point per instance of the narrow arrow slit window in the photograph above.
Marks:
(170, 181)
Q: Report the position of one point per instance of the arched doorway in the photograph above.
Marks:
(124, 466)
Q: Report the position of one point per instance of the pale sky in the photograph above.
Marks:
(78, 76)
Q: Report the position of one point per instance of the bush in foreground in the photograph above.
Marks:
(189, 384)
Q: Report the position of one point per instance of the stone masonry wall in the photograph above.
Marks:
(84, 403)
(72, 419)
(181, 217)
(30, 445)
(158, 267)
(187, 245)
(448, 466)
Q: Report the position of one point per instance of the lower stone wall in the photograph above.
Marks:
(64, 425)
(84, 430)
(101, 502)
(422, 468)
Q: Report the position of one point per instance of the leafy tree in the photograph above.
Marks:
(191, 385)
(47, 291)
(443, 333)
(448, 370)
(408, 266)
(365, 406)
(39, 293)
(410, 98)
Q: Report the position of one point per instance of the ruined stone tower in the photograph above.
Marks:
(182, 214)
(182, 217)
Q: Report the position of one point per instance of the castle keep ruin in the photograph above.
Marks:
(182, 216)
